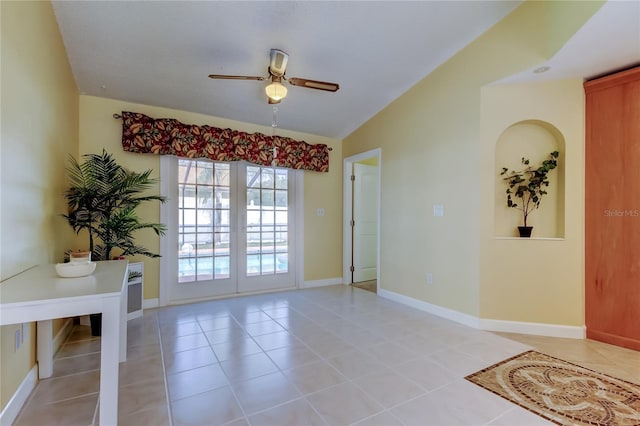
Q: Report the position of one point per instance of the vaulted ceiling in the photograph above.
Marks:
(160, 53)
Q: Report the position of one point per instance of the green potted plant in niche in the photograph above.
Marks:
(102, 199)
(529, 185)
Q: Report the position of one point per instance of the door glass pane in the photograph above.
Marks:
(267, 198)
(267, 220)
(267, 241)
(253, 264)
(204, 176)
(281, 179)
(281, 217)
(282, 262)
(222, 267)
(253, 199)
(253, 177)
(253, 242)
(268, 264)
(267, 178)
(281, 199)
(204, 219)
(204, 268)
(282, 242)
(268, 217)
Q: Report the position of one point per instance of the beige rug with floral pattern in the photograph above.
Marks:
(562, 392)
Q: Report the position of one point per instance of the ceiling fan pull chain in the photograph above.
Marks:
(274, 122)
(274, 125)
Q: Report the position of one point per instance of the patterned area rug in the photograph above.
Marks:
(562, 392)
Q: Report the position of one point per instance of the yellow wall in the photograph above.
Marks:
(39, 129)
(323, 235)
(534, 280)
(433, 152)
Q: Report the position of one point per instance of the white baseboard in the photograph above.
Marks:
(19, 398)
(450, 314)
(322, 283)
(539, 329)
(535, 328)
(150, 303)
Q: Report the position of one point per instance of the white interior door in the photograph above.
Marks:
(232, 226)
(365, 222)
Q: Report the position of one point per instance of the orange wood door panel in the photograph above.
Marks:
(612, 215)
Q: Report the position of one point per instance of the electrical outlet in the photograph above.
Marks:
(429, 278)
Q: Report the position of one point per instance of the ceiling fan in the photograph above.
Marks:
(276, 91)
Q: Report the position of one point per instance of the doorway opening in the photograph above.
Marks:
(361, 227)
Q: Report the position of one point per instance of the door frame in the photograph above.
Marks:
(347, 241)
(169, 269)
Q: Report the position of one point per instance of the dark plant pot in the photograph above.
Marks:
(96, 324)
(525, 231)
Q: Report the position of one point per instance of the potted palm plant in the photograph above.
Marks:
(102, 199)
(529, 185)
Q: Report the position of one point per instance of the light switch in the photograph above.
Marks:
(438, 210)
(320, 212)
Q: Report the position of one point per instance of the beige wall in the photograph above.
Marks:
(39, 129)
(434, 152)
(323, 235)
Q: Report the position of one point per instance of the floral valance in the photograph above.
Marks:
(166, 136)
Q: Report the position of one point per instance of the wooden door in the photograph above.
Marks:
(612, 216)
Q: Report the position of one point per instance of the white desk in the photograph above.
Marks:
(38, 294)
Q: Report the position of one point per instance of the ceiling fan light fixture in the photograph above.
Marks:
(276, 91)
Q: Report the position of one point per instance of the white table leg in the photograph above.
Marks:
(44, 331)
(109, 363)
(123, 322)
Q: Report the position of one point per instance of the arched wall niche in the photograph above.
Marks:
(534, 140)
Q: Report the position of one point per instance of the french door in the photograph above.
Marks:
(232, 228)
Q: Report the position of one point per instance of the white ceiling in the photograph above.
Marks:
(160, 53)
(608, 42)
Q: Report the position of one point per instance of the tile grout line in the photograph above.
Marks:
(233, 392)
(164, 371)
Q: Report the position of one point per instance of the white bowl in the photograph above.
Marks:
(72, 270)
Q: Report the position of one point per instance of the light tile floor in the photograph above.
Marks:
(327, 356)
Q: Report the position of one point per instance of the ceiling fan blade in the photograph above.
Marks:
(235, 77)
(314, 84)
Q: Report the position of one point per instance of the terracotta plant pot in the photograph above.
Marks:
(80, 256)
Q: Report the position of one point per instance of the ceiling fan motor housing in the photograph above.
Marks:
(279, 61)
